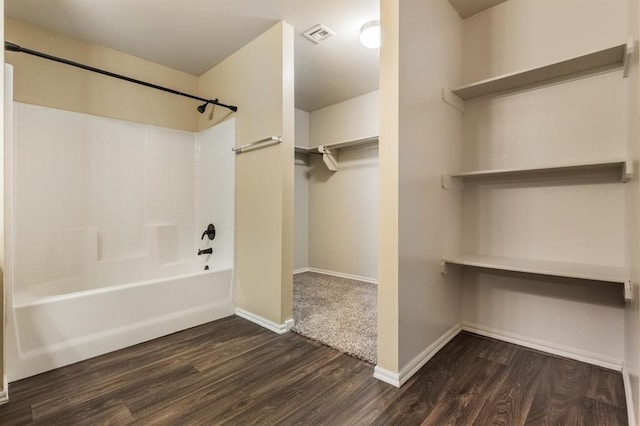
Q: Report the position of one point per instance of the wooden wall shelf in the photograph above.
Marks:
(610, 274)
(592, 63)
(330, 152)
(337, 146)
(623, 168)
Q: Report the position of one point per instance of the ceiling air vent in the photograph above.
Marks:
(318, 33)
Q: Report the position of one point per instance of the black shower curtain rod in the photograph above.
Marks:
(12, 47)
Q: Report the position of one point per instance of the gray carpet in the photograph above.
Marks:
(338, 312)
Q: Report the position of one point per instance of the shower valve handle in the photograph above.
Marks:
(210, 232)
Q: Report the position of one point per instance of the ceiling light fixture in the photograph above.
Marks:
(370, 34)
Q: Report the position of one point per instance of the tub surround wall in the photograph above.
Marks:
(98, 205)
(214, 191)
(76, 174)
(259, 79)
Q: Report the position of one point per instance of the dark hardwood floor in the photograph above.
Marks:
(234, 372)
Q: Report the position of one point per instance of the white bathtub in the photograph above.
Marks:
(53, 324)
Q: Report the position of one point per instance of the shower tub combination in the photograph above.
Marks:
(99, 255)
(61, 322)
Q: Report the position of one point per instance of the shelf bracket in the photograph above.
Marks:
(628, 54)
(330, 158)
(451, 182)
(450, 98)
(627, 171)
(628, 291)
(444, 267)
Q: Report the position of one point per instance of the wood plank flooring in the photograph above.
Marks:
(234, 372)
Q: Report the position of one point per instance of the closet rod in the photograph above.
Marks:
(12, 47)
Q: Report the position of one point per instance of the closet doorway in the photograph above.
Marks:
(336, 226)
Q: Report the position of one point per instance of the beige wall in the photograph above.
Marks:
(302, 128)
(259, 80)
(429, 146)
(632, 311)
(420, 139)
(301, 194)
(3, 390)
(343, 205)
(353, 119)
(581, 221)
(388, 309)
(509, 36)
(301, 213)
(343, 214)
(41, 82)
(425, 141)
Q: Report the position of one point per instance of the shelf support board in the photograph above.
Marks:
(451, 182)
(628, 291)
(627, 171)
(624, 168)
(628, 54)
(445, 267)
(452, 99)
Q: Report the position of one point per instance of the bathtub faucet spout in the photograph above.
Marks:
(205, 251)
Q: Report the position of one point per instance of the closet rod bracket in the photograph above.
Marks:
(329, 158)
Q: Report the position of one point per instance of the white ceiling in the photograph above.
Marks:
(194, 35)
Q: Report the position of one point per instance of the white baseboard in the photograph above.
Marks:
(418, 362)
(300, 271)
(4, 393)
(398, 379)
(386, 376)
(263, 322)
(628, 393)
(545, 346)
(340, 275)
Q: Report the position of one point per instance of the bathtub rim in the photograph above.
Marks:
(42, 300)
(30, 362)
